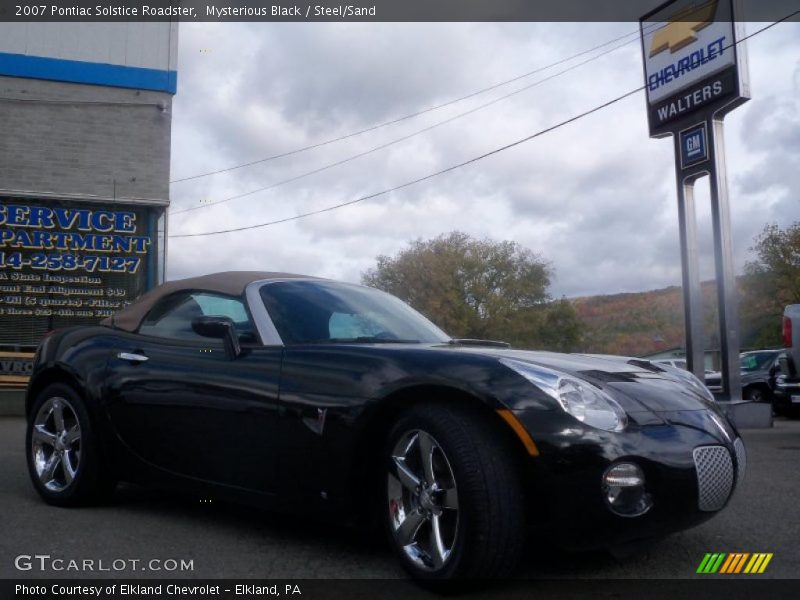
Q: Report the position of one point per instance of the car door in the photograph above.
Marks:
(178, 402)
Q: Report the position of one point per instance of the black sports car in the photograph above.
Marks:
(310, 395)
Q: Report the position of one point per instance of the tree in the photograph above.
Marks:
(561, 329)
(477, 289)
(771, 282)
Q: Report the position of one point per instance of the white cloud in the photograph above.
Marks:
(596, 198)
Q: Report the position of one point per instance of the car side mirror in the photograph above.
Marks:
(222, 328)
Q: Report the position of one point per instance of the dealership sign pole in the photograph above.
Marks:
(695, 73)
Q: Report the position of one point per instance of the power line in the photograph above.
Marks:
(461, 164)
(420, 179)
(408, 116)
(400, 139)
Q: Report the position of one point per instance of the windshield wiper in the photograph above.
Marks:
(471, 342)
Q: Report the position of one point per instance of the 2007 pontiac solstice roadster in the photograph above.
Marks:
(307, 394)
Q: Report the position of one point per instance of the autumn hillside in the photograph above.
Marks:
(637, 324)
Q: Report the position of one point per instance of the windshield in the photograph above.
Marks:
(756, 361)
(318, 312)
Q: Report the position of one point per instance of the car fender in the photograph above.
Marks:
(77, 357)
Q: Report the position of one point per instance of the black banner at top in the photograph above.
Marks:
(360, 10)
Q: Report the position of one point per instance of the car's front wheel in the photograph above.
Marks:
(454, 501)
(63, 461)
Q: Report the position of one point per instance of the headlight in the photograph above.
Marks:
(580, 399)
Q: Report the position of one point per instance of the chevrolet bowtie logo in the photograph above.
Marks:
(683, 27)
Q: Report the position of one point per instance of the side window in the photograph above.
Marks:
(750, 362)
(347, 326)
(172, 316)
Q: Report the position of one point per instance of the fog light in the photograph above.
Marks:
(623, 488)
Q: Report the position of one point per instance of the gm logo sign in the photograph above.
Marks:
(694, 145)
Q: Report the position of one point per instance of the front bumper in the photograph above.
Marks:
(692, 464)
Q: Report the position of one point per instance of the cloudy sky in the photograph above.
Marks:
(595, 198)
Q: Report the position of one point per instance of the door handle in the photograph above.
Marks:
(132, 357)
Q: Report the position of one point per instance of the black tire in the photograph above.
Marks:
(91, 482)
(755, 394)
(490, 531)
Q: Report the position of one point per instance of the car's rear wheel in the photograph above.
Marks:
(454, 501)
(755, 394)
(63, 461)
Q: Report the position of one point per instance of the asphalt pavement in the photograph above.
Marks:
(229, 541)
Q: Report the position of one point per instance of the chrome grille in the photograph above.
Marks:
(741, 460)
(714, 467)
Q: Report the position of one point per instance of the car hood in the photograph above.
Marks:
(637, 385)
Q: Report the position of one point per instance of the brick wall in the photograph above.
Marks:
(91, 150)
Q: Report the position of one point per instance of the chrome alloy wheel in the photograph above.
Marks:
(423, 500)
(56, 444)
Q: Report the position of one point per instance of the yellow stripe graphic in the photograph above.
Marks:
(756, 558)
(751, 563)
(758, 562)
(765, 563)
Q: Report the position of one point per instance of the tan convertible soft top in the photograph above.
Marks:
(231, 283)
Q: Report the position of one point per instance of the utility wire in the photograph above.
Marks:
(410, 115)
(420, 179)
(461, 164)
(401, 139)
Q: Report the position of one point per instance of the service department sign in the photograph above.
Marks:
(691, 60)
(15, 368)
(65, 263)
